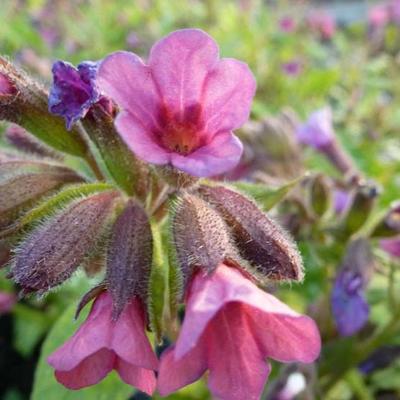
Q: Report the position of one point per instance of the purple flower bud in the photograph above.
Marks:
(341, 200)
(261, 242)
(349, 306)
(380, 359)
(318, 131)
(129, 257)
(53, 251)
(73, 91)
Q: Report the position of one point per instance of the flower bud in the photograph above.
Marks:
(389, 225)
(22, 183)
(260, 240)
(129, 257)
(25, 104)
(6, 86)
(320, 196)
(27, 143)
(381, 358)
(200, 236)
(363, 202)
(53, 251)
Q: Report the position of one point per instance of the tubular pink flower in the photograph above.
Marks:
(230, 327)
(101, 345)
(181, 107)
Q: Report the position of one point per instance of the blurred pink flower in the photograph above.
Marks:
(394, 11)
(102, 344)
(7, 301)
(378, 16)
(322, 23)
(391, 246)
(182, 107)
(287, 24)
(230, 327)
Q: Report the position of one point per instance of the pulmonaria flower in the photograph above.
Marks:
(349, 305)
(230, 327)
(287, 24)
(394, 11)
(7, 301)
(102, 344)
(73, 91)
(317, 131)
(378, 16)
(322, 23)
(292, 68)
(182, 106)
(391, 246)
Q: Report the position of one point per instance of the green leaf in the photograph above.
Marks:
(266, 197)
(45, 385)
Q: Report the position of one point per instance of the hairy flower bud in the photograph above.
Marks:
(53, 251)
(260, 240)
(200, 236)
(22, 183)
(6, 86)
(129, 257)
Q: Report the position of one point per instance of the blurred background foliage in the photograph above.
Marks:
(356, 72)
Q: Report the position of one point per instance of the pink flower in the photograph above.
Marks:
(391, 246)
(101, 345)
(6, 87)
(182, 106)
(322, 23)
(378, 16)
(7, 301)
(287, 24)
(230, 327)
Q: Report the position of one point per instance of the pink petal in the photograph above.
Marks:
(89, 372)
(391, 246)
(175, 374)
(92, 336)
(143, 379)
(124, 78)
(130, 341)
(140, 140)
(237, 367)
(285, 338)
(220, 155)
(227, 96)
(180, 63)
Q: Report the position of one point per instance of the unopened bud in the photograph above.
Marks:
(129, 257)
(6, 86)
(320, 195)
(22, 183)
(389, 225)
(260, 240)
(200, 236)
(53, 251)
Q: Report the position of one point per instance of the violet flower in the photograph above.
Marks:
(394, 11)
(341, 200)
(73, 91)
(102, 344)
(292, 68)
(349, 306)
(317, 131)
(378, 16)
(230, 328)
(182, 106)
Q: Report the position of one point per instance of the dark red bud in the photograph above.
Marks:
(53, 251)
(129, 257)
(261, 242)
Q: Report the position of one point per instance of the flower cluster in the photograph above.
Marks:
(215, 246)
